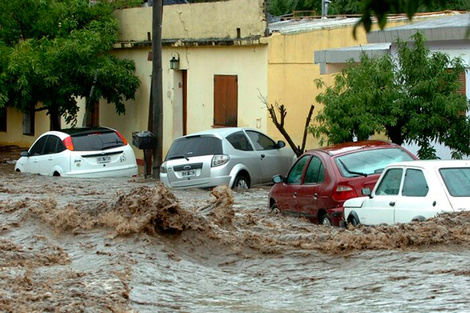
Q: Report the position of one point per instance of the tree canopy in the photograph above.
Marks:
(413, 97)
(51, 52)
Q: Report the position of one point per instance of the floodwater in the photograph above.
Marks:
(130, 245)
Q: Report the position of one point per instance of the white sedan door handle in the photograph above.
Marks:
(392, 203)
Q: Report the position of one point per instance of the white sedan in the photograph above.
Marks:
(414, 190)
(80, 152)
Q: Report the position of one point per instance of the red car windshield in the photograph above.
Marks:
(369, 162)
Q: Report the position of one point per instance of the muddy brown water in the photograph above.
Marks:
(130, 245)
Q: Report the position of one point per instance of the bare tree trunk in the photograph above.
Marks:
(298, 150)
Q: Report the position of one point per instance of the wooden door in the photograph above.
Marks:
(225, 100)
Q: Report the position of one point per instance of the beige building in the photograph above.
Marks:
(229, 57)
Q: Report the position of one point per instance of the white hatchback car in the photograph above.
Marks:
(80, 152)
(237, 157)
(414, 190)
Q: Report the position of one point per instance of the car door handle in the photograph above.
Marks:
(295, 194)
(315, 195)
(392, 203)
(262, 156)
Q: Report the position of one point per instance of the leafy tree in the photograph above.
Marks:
(51, 51)
(412, 98)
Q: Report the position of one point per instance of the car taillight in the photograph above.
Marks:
(343, 193)
(68, 143)
(122, 137)
(219, 159)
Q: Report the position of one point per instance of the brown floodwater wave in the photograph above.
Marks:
(132, 245)
(155, 210)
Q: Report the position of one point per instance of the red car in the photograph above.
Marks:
(322, 179)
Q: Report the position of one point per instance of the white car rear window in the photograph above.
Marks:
(96, 141)
(457, 181)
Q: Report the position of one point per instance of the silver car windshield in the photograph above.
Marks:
(457, 181)
(194, 146)
(363, 163)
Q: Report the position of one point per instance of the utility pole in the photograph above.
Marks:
(157, 86)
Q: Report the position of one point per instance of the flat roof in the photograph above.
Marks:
(293, 26)
(444, 26)
(438, 27)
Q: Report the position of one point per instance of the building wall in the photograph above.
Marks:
(193, 22)
(292, 73)
(14, 134)
(201, 64)
(196, 21)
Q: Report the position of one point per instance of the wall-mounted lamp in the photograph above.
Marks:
(175, 61)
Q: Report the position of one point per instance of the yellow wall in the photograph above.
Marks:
(14, 134)
(291, 72)
(197, 20)
(280, 68)
(201, 64)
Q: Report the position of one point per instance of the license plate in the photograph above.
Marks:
(103, 159)
(188, 173)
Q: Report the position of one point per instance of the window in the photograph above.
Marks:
(28, 122)
(315, 172)
(239, 141)
(261, 141)
(3, 119)
(194, 146)
(295, 174)
(53, 145)
(457, 181)
(370, 162)
(96, 141)
(415, 184)
(390, 184)
(38, 146)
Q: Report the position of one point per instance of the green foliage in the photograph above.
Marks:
(51, 51)
(414, 98)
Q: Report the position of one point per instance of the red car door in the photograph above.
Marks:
(309, 193)
(286, 195)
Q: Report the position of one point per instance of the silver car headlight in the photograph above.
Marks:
(163, 168)
(219, 159)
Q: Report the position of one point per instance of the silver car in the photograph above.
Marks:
(237, 157)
